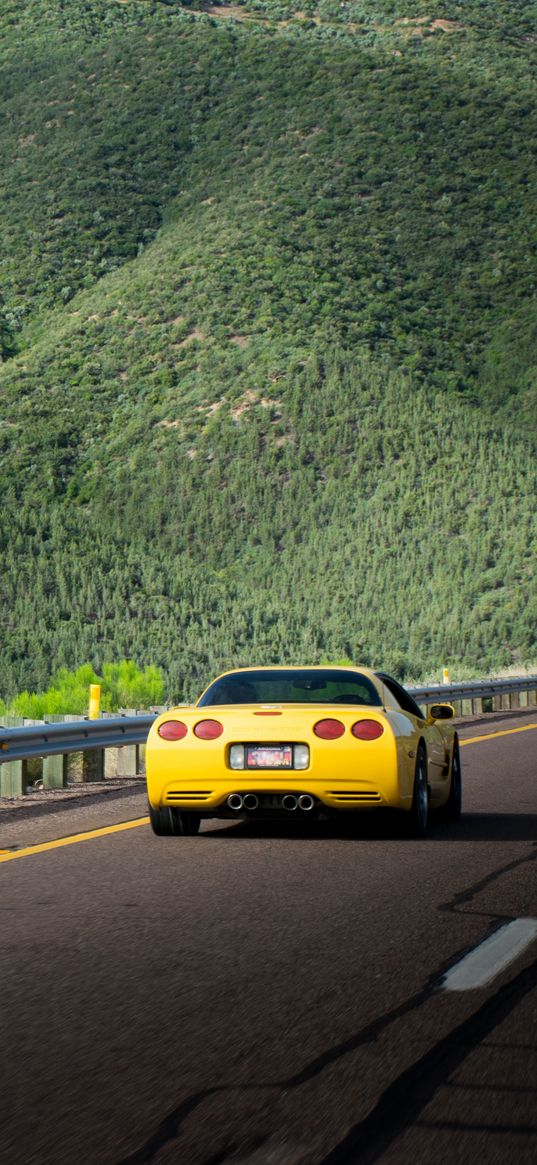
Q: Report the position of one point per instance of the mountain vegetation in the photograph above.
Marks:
(268, 336)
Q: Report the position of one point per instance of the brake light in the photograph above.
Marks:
(208, 729)
(329, 729)
(367, 730)
(172, 730)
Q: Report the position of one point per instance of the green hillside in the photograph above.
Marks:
(269, 336)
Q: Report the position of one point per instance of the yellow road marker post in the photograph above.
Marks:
(94, 702)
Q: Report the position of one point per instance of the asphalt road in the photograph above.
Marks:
(272, 996)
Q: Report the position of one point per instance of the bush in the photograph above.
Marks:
(123, 685)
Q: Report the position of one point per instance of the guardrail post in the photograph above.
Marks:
(124, 761)
(13, 773)
(54, 767)
(84, 767)
(93, 765)
(75, 773)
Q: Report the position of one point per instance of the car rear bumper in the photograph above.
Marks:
(210, 796)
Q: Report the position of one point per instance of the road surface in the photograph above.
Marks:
(268, 995)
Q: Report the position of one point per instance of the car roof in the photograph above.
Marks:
(354, 667)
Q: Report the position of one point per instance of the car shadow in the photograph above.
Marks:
(379, 826)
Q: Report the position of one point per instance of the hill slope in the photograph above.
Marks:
(264, 292)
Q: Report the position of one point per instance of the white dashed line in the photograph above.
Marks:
(491, 956)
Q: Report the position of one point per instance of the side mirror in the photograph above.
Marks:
(441, 712)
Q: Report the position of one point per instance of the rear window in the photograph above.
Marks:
(292, 686)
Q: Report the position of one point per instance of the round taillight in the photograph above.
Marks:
(329, 729)
(208, 729)
(367, 730)
(172, 730)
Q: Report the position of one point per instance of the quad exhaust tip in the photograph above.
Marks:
(250, 801)
(305, 802)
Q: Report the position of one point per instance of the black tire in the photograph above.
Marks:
(452, 809)
(418, 817)
(168, 822)
(188, 823)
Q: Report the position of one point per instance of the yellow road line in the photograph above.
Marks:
(9, 856)
(492, 735)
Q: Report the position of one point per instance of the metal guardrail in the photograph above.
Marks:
(76, 736)
(472, 689)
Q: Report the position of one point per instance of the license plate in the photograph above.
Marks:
(269, 758)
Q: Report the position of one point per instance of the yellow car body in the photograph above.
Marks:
(382, 740)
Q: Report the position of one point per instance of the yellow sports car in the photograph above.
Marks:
(271, 741)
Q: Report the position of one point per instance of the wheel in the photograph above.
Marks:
(168, 822)
(418, 818)
(188, 823)
(452, 809)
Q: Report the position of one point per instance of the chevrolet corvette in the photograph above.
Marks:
(284, 741)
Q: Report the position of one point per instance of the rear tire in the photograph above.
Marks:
(418, 818)
(452, 809)
(188, 823)
(168, 822)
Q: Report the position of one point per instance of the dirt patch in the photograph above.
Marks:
(195, 335)
(228, 10)
(245, 403)
(416, 26)
(447, 25)
(251, 398)
(240, 341)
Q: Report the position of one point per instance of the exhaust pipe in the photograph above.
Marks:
(235, 801)
(250, 801)
(305, 802)
(289, 801)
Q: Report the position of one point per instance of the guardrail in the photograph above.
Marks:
(76, 736)
(110, 746)
(496, 694)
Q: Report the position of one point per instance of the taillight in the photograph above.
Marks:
(329, 729)
(367, 730)
(172, 730)
(208, 729)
